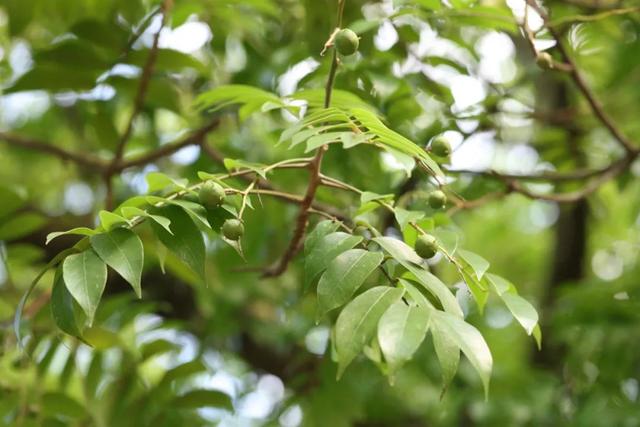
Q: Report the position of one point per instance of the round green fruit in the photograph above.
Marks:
(211, 195)
(544, 61)
(437, 199)
(440, 146)
(232, 229)
(426, 246)
(346, 42)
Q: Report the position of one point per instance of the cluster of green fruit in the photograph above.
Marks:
(212, 196)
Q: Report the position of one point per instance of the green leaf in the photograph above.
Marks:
(475, 261)
(469, 340)
(519, 307)
(399, 250)
(368, 196)
(233, 165)
(101, 338)
(357, 323)
(130, 212)
(394, 140)
(407, 257)
(479, 292)
(196, 211)
(122, 250)
(226, 95)
(17, 318)
(55, 78)
(21, 225)
(339, 98)
(447, 241)
(12, 200)
(404, 217)
(85, 275)
(522, 310)
(351, 139)
(195, 399)
(59, 404)
(322, 139)
(158, 181)
(80, 231)
(344, 275)
(329, 247)
(167, 60)
(182, 371)
(62, 309)
(110, 220)
(448, 353)
(186, 241)
(401, 330)
(322, 229)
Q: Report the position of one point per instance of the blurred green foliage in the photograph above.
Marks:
(202, 355)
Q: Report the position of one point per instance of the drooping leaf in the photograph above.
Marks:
(343, 276)
(401, 330)
(186, 241)
(121, 249)
(475, 261)
(62, 307)
(448, 353)
(469, 340)
(358, 321)
(520, 308)
(85, 275)
(407, 257)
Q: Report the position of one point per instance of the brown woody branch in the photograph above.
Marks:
(83, 159)
(198, 137)
(295, 244)
(138, 103)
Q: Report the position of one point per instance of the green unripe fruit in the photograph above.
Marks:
(440, 146)
(426, 246)
(437, 199)
(232, 229)
(544, 61)
(211, 195)
(346, 42)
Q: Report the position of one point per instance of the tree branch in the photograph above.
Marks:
(582, 85)
(83, 159)
(295, 244)
(195, 138)
(143, 86)
(145, 80)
